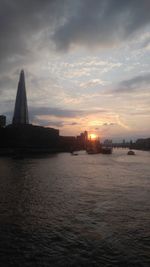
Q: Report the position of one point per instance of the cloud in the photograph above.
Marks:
(74, 123)
(109, 124)
(92, 83)
(62, 113)
(57, 117)
(57, 112)
(54, 122)
(101, 22)
(134, 84)
(27, 26)
(7, 80)
(48, 122)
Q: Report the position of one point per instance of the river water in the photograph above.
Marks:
(85, 210)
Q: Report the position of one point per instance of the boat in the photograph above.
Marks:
(92, 151)
(73, 153)
(131, 152)
(107, 147)
(106, 150)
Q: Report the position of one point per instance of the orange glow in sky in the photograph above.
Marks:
(92, 136)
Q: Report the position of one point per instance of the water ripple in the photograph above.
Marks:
(75, 211)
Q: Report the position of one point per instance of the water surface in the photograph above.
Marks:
(85, 210)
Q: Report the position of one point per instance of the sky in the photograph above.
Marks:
(86, 63)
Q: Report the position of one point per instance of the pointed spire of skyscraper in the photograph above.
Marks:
(21, 108)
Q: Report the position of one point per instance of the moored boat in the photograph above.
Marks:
(131, 152)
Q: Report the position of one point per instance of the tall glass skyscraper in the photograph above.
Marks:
(21, 108)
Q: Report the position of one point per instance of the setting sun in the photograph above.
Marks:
(92, 136)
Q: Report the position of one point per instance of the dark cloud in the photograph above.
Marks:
(53, 123)
(87, 22)
(74, 123)
(20, 21)
(134, 84)
(50, 123)
(62, 113)
(102, 22)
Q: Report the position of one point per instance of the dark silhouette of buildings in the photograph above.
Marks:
(27, 138)
(32, 138)
(141, 144)
(20, 135)
(2, 121)
(72, 143)
(82, 139)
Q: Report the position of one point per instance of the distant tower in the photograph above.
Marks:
(21, 108)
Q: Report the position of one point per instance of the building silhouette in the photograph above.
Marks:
(22, 135)
(21, 109)
(25, 138)
(2, 121)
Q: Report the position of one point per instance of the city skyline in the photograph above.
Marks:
(86, 64)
